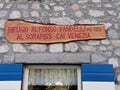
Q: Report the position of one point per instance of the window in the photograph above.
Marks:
(53, 77)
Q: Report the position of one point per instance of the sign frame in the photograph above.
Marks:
(18, 31)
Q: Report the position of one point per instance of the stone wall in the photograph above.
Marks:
(65, 12)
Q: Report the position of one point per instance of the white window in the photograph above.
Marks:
(52, 77)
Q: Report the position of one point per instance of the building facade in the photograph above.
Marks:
(69, 55)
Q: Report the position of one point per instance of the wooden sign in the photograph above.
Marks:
(17, 31)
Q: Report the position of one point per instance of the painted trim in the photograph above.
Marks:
(103, 77)
(97, 72)
(11, 72)
(98, 86)
(15, 68)
(97, 68)
(79, 78)
(10, 85)
(25, 79)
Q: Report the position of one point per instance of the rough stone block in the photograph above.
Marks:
(53, 58)
(8, 58)
(98, 58)
(4, 48)
(56, 48)
(72, 47)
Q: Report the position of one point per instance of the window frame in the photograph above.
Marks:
(26, 73)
